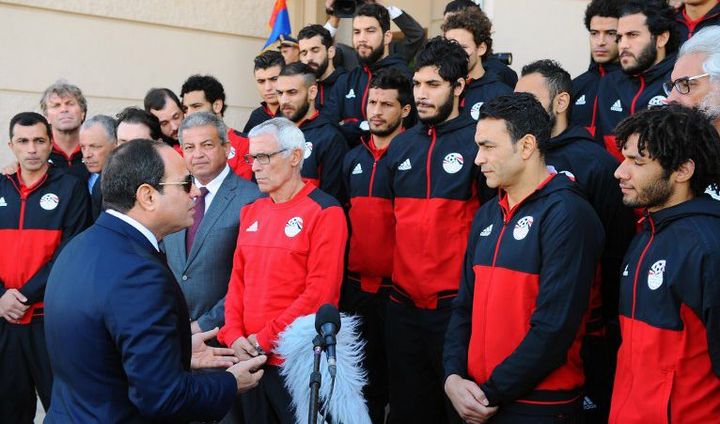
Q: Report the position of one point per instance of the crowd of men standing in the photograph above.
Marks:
(521, 249)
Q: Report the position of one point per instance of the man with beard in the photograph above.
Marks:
(267, 68)
(572, 151)
(471, 29)
(317, 51)
(695, 15)
(647, 41)
(435, 188)
(372, 240)
(65, 107)
(371, 38)
(669, 362)
(324, 144)
(695, 79)
(167, 108)
(601, 21)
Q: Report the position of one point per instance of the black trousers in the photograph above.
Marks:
(269, 402)
(414, 343)
(24, 368)
(512, 417)
(371, 307)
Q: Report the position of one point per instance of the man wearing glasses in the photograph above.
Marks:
(695, 80)
(288, 261)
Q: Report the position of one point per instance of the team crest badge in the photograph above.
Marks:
(522, 227)
(453, 163)
(49, 201)
(655, 275)
(293, 226)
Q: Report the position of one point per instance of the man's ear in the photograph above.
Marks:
(459, 87)
(661, 40)
(145, 197)
(217, 107)
(685, 172)
(331, 53)
(528, 145)
(387, 38)
(406, 111)
(312, 93)
(481, 50)
(295, 156)
(561, 102)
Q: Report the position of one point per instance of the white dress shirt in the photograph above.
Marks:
(138, 226)
(213, 186)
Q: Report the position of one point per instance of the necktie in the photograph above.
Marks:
(199, 213)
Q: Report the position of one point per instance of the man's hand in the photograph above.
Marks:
(468, 400)
(12, 307)
(204, 356)
(248, 373)
(9, 169)
(244, 349)
(195, 328)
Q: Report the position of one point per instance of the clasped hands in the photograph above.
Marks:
(469, 400)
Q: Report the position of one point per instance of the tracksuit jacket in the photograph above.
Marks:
(480, 91)
(258, 116)
(35, 223)
(621, 95)
(585, 89)
(325, 87)
(668, 366)
(72, 164)
(687, 27)
(347, 103)
(325, 148)
(239, 147)
(288, 262)
(435, 187)
(517, 323)
(372, 221)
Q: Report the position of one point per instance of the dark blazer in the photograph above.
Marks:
(118, 335)
(204, 274)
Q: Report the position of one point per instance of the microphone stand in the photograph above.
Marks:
(315, 380)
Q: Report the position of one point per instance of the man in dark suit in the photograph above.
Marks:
(201, 256)
(117, 324)
(98, 138)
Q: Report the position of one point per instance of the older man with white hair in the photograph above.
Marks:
(98, 137)
(695, 79)
(288, 261)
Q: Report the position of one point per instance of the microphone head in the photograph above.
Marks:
(327, 314)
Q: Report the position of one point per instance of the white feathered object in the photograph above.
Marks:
(295, 346)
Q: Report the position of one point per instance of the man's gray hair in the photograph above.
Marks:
(105, 122)
(287, 134)
(203, 119)
(706, 41)
(63, 89)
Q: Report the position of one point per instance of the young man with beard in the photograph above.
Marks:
(133, 124)
(435, 188)
(601, 21)
(647, 42)
(695, 15)
(372, 239)
(512, 349)
(572, 151)
(167, 108)
(204, 93)
(65, 107)
(317, 51)
(371, 40)
(267, 68)
(472, 30)
(669, 361)
(324, 144)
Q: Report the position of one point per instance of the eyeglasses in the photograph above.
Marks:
(263, 158)
(187, 183)
(682, 85)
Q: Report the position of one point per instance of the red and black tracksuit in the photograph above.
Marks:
(575, 153)
(35, 223)
(585, 95)
(369, 268)
(435, 188)
(347, 102)
(480, 91)
(518, 321)
(239, 147)
(259, 115)
(687, 27)
(669, 362)
(325, 148)
(621, 95)
(325, 87)
(72, 163)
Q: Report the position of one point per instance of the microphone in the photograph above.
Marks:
(327, 324)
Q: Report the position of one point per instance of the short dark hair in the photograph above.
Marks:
(28, 119)
(602, 8)
(659, 18)
(476, 23)
(268, 59)
(374, 10)
(456, 6)
(299, 68)
(558, 79)
(209, 85)
(312, 30)
(674, 134)
(156, 98)
(523, 114)
(134, 115)
(394, 79)
(446, 55)
(127, 168)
